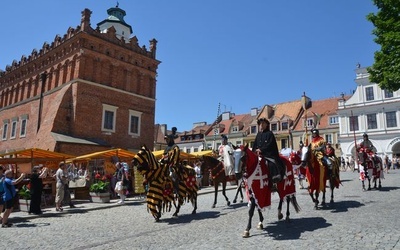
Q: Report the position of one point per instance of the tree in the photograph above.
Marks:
(386, 69)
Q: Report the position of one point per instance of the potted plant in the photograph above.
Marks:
(100, 190)
(24, 198)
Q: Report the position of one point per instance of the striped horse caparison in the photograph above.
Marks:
(161, 193)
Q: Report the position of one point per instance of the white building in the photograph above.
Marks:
(370, 110)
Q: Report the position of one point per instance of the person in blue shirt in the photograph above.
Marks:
(1, 191)
(9, 195)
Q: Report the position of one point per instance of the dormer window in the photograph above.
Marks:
(310, 123)
(235, 129)
(285, 125)
(253, 129)
(274, 127)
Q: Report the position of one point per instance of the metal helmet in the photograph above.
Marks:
(315, 131)
(365, 135)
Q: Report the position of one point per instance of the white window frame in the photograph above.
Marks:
(22, 128)
(333, 120)
(329, 138)
(235, 129)
(253, 129)
(13, 132)
(137, 114)
(5, 130)
(112, 109)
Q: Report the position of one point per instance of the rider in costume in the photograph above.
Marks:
(265, 145)
(225, 155)
(172, 151)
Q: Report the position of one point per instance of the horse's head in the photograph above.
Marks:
(143, 160)
(305, 154)
(294, 158)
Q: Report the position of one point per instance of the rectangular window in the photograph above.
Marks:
(238, 143)
(310, 122)
(371, 121)
(369, 93)
(283, 143)
(253, 129)
(333, 120)
(391, 121)
(328, 138)
(109, 118)
(22, 129)
(285, 125)
(13, 129)
(5, 131)
(235, 128)
(196, 150)
(274, 127)
(134, 122)
(388, 94)
(353, 121)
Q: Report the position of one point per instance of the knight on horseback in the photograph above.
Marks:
(265, 145)
(225, 156)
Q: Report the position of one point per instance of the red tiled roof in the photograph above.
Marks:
(325, 108)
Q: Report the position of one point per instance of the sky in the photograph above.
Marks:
(233, 54)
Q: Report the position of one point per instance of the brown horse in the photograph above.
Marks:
(217, 171)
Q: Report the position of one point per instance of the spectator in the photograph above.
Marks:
(199, 177)
(9, 195)
(69, 174)
(1, 190)
(36, 189)
(61, 179)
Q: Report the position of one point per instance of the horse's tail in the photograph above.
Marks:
(295, 205)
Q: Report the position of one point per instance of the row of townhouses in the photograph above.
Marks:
(94, 89)
(341, 121)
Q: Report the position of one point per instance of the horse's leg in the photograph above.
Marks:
(215, 193)
(369, 183)
(316, 202)
(194, 201)
(380, 184)
(177, 210)
(323, 197)
(260, 225)
(238, 189)
(246, 232)
(332, 186)
(287, 208)
(224, 193)
(363, 185)
(280, 215)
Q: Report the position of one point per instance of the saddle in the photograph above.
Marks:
(277, 169)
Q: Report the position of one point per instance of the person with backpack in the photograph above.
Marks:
(9, 195)
(1, 190)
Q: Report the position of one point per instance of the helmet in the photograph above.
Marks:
(301, 144)
(365, 135)
(315, 131)
(224, 137)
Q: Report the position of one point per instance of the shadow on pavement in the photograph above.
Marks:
(187, 218)
(341, 206)
(282, 230)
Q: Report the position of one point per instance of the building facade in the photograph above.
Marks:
(373, 111)
(91, 89)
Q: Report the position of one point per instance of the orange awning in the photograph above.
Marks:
(122, 154)
(33, 155)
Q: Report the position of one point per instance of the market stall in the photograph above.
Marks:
(100, 164)
(23, 161)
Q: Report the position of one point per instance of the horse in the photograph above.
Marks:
(258, 187)
(163, 189)
(295, 160)
(217, 172)
(318, 174)
(373, 165)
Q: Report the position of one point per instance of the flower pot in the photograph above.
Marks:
(100, 197)
(24, 205)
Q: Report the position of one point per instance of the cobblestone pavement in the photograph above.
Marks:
(356, 220)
